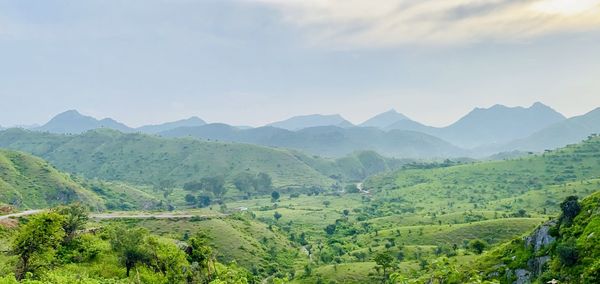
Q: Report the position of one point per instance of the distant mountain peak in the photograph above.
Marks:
(385, 119)
(311, 120)
(72, 121)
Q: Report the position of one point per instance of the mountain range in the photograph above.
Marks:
(483, 131)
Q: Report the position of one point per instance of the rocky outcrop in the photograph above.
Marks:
(540, 237)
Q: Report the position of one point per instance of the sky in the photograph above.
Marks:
(250, 62)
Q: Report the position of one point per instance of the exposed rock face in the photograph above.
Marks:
(523, 276)
(536, 265)
(540, 236)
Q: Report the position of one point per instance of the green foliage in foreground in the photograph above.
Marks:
(42, 252)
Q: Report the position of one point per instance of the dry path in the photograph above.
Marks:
(24, 213)
(121, 215)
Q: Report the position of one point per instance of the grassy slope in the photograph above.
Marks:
(141, 158)
(30, 182)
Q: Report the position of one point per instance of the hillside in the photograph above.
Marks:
(330, 141)
(30, 182)
(144, 159)
(565, 249)
(560, 134)
(313, 120)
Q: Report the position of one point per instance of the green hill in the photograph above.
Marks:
(30, 182)
(145, 159)
(523, 183)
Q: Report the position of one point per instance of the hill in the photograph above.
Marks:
(329, 141)
(383, 120)
(145, 159)
(190, 122)
(30, 182)
(560, 134)
(73, 122)
(313, 120)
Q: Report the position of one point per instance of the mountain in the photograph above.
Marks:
(560, 134)
(30, 182)
(330, 141)
(73, 122)
(383, 120)
(313, 120)
(497, 125)
(152, 129)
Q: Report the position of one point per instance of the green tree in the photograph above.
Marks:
(384, 260)
(477, 245)
(37, 241)
(275, 196)
(167, 258)
(74, 218)
(165, 186)
(129, 244)
(277, 216)
(216, 185)
(263, 183)
(570, 208)
(245, 182)
(190, 199)
(200, 255)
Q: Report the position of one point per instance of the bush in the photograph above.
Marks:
(567, 254)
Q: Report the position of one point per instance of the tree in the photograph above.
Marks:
(277, 215)
(74, 218)
(330, 229)
(477, 245)
(384, 261)
(36, 242)
(129, 244)
(570, 208)
(216, 185)
(326, 203)
(192, 186)
(167, 258)
(166, 186)
(245, 182)
(200, 255)
(190, 199)
(275, 196)
(567, 253)
(203, 200)
(263, 183)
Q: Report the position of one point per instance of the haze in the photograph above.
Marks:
(253, 62)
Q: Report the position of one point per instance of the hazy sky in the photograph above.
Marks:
(256, 61)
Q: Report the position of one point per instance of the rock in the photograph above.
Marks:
(536, 265)
(523, 276)
(540, 237)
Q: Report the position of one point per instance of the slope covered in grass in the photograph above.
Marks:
(145, 159)
(30, 182)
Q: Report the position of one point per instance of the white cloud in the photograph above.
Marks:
(384, 23)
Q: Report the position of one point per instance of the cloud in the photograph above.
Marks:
(384, 23)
